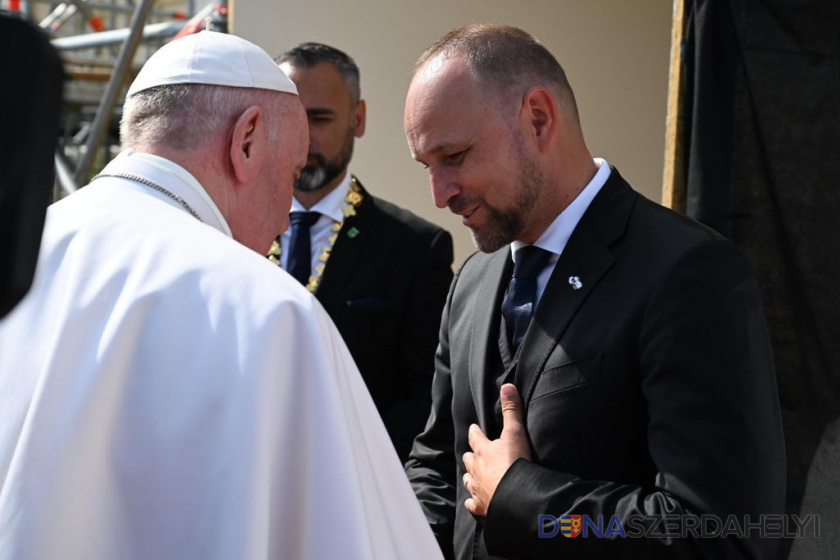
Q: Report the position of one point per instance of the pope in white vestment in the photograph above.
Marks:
(167, 393)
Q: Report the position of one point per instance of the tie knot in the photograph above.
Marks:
(530, 261)
(305, 219)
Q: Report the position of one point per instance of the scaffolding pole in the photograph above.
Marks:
(105, 110)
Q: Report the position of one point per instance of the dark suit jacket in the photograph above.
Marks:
(649, 390)
(385, 288)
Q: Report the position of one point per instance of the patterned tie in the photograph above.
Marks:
(300, 247)
(518, 305)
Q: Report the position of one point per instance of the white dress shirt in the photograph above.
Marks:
(557, 234)
(331, 208)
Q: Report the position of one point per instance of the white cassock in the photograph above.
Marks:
(167, 393)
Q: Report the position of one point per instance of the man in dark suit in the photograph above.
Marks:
(381, 272)
(634, 336)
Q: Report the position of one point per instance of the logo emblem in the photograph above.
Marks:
(575, 283)
(570, 525)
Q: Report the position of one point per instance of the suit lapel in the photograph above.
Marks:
(483, 340)
(585, 260)
(352, 237)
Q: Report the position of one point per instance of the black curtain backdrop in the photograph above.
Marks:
(762, 140)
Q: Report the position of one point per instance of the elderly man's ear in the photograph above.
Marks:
(246, 143)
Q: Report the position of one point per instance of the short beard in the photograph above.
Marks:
(318, 176)
(505, 226)
(313, 177)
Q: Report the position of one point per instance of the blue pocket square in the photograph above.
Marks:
(370, 304)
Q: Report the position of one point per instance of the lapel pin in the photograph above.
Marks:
(575, 283)
(352, 232)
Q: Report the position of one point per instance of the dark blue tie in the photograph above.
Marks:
(300, 247)
(518, 305)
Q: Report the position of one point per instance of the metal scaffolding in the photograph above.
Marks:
(103, 45)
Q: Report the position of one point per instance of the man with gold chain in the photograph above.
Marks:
(381, 272)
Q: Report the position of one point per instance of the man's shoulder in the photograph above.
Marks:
(236, 267)
(177, 262)
(244, 287)
(641, 234)
(398, 217)
(182, 251)
(628, 221)
(666, 219)
(664, 234)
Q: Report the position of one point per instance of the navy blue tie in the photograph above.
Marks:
(299, 264)
(521, 296)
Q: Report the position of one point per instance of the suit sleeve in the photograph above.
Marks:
(431, 465)
(406, 417)
(714, 428)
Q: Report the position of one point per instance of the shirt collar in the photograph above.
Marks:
(186, 186)
(557, 234)
(331, 205)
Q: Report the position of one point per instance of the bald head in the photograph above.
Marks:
(506, 60)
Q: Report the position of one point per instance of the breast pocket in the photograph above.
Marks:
(370, 304)
(569, 375)
(369, 327)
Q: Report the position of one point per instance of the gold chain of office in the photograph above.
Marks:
(352, 201)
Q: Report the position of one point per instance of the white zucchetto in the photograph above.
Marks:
(212, 58)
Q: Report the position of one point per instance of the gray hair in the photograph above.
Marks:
(188, 116)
